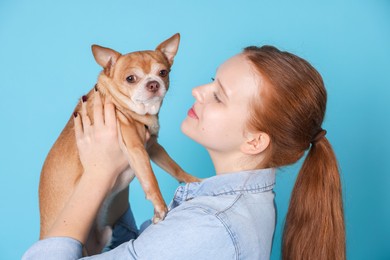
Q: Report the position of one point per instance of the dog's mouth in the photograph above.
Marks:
(148, 106)
(150, 101)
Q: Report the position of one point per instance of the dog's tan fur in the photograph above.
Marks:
(62, 168)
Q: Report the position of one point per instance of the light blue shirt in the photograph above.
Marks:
(229, 216)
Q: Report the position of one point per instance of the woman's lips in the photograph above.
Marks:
(191, 113)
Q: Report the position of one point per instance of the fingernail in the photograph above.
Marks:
(75, 114)
(96, 89)
(84, 98)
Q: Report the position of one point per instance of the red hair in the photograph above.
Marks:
(290, 108)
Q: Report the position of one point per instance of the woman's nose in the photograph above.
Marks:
(197, 93)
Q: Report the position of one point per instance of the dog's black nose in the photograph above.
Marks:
(153, 86)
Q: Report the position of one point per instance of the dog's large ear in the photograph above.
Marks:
(169, 47)
(105, 57)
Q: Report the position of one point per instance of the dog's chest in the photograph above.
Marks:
(121, 183)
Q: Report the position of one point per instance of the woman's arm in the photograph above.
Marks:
(102, 160)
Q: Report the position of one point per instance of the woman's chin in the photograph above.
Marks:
(184, 126)
(188, 128)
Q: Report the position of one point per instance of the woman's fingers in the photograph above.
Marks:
(120, 139)
(97, 109)
(78, 126)
(84, 115)
(109, 113)
(103, 116)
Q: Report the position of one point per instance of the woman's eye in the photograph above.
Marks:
(163, 73)
(131, 79)
(217, 98)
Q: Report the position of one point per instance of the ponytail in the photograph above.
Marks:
(314, 227)
(290, 107)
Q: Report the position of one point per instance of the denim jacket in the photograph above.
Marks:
(229, 216)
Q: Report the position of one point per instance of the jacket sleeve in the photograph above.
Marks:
(60, 248)
(65, 248)
(190, 233)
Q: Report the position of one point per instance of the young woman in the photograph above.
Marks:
(264, 110)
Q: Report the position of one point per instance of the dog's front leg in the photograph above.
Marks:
(133, 136)
(160, 156)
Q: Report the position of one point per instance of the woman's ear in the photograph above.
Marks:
(255, 143)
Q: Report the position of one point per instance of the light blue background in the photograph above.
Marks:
(46, 65)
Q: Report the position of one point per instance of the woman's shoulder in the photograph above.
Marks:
(191, 231)
(233, 212)
(243, 221)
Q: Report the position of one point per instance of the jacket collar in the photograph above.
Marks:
(253, 181)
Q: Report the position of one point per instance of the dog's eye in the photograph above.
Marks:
(131, 79)
(163, 73)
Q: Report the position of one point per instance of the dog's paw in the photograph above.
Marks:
(159, 215)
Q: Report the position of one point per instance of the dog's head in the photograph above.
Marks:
(139, 80)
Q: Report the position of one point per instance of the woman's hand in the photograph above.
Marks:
(102, 159)
(99, 144)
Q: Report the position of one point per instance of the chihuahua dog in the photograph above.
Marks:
(136, 83)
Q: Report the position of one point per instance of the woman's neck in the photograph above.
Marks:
(233, 162)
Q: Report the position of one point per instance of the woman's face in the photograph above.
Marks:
(218, 118)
